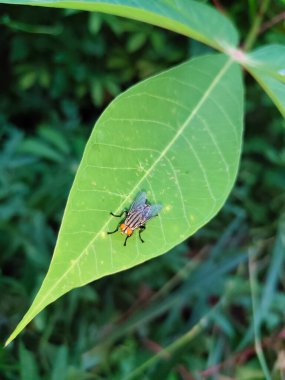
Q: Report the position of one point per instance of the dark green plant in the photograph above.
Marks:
(267, 71)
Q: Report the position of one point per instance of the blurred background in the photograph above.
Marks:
(211, 299)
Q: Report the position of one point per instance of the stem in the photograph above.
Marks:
(167, 352)
(272, 22)
(256, 320)
(219, 6)
(254, 30)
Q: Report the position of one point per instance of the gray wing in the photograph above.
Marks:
(152, 210)
(139, 201)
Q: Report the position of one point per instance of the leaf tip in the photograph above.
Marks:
(8, 341)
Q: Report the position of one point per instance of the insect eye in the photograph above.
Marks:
(122, 226)
(129, 231)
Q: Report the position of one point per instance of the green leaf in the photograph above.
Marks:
(60, 364)
(267, 66)
(56, 138)
(38, 148)
(28, 364)
(178, 137)
(186, 17)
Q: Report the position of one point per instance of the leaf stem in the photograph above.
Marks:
(167, 352)
(254, 30)
(275, 20)
(256, 320)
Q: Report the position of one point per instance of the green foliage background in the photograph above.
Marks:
(59, 70)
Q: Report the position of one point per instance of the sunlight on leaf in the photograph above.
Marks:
(176, 136)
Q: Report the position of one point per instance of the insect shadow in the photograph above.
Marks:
(136, 216)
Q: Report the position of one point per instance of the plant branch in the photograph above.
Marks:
(219, 6)
(254, 31)
(273, 21)
(256, 320)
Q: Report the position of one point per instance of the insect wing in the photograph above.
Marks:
(139, 201)
(152, 211)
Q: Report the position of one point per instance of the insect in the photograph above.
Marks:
(136, 217)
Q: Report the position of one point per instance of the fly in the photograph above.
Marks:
(136, 217)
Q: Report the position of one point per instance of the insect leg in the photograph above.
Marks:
(118, 216)
(125, 243)
(142, 228)
(112, 232)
